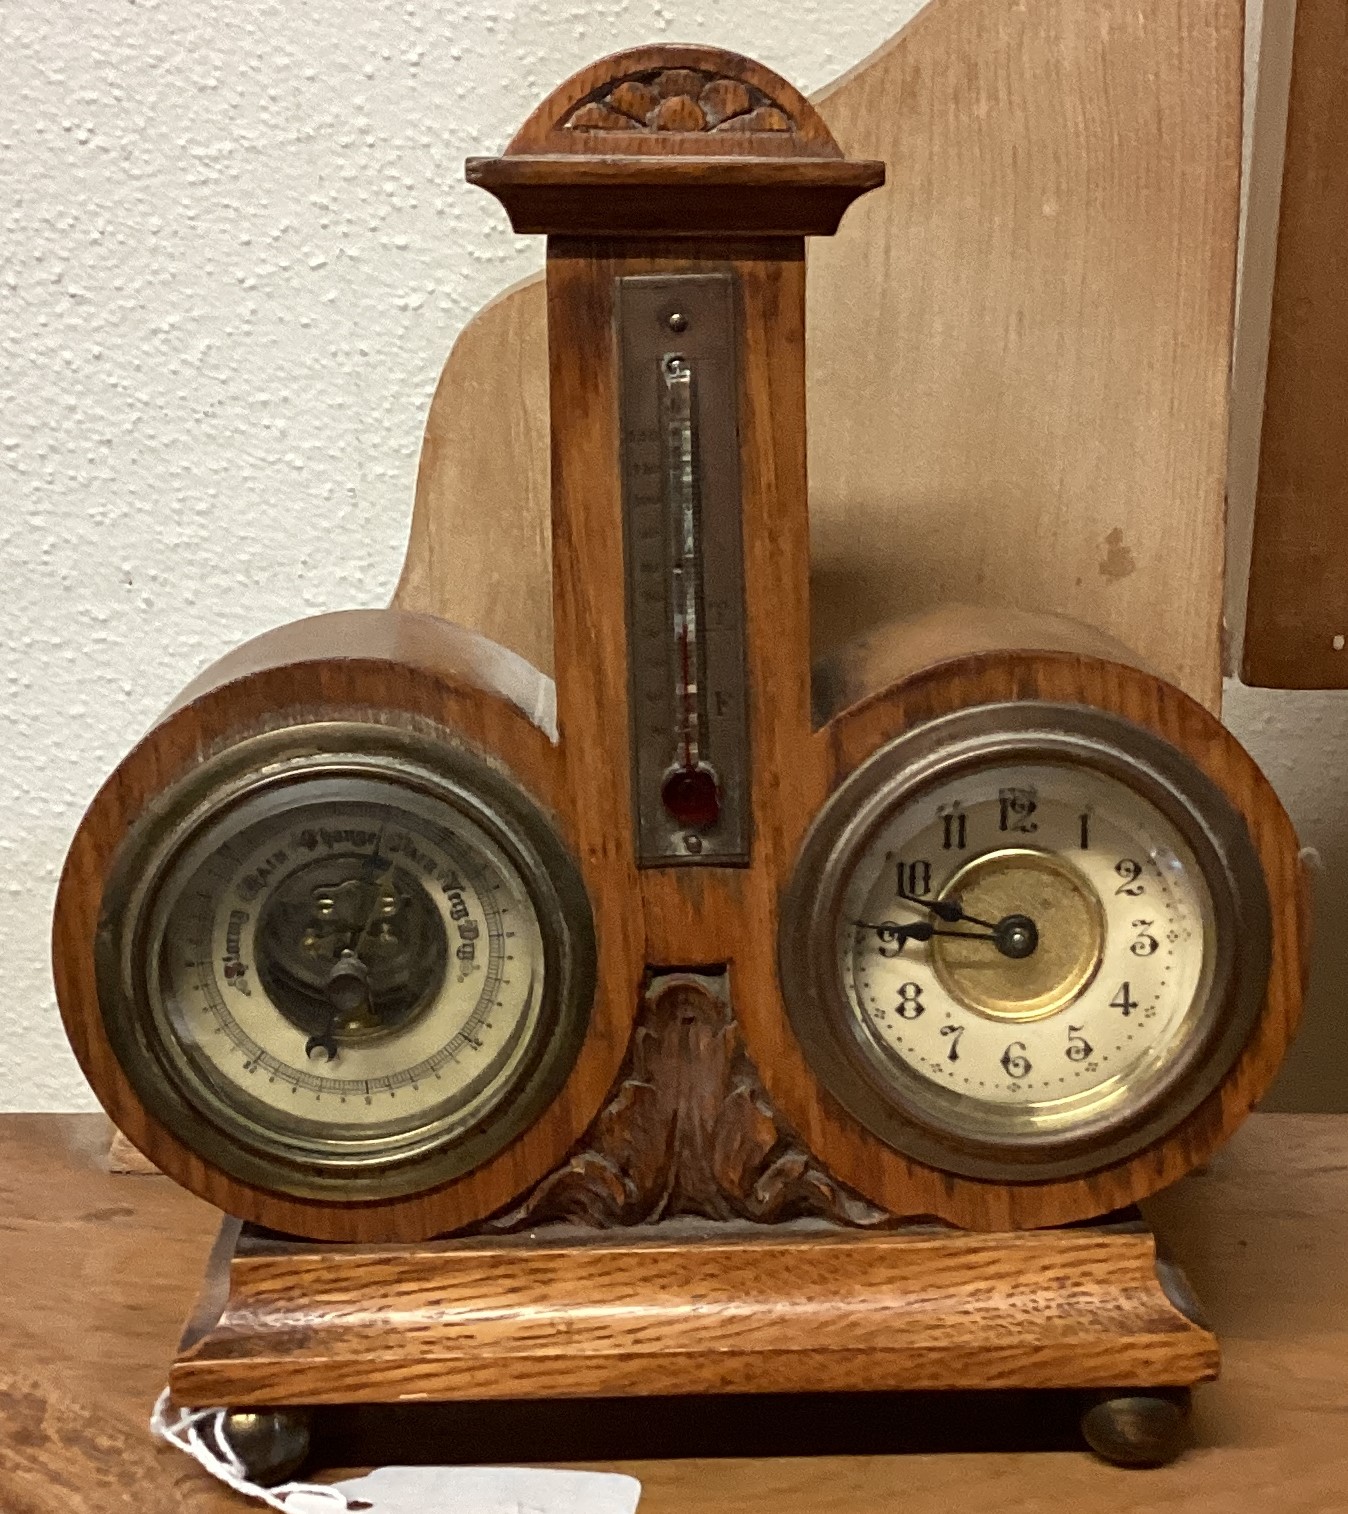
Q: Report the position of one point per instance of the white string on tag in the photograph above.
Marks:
(200, 1433)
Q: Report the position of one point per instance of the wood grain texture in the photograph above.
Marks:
(825, 760)
(688, 1132)
(390, 668)
(1298, 598)
(1048, 429)
(705, 78)
(488, 440)
(768, 197)
(765, 1312)
(124, 1158)
(101, 1271)
(1028, 407)
(657, 918)
(675, 141)
(1268, 66)
(897, 651)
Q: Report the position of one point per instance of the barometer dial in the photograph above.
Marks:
(348, 973)
(1024, 943)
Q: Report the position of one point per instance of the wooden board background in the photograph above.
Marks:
(1269, 27)
(1298, 598)
(1018, 350)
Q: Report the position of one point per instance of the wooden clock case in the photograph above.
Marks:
(694, 1207)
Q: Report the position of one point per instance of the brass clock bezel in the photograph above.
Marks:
(428, 768)
(932, 753)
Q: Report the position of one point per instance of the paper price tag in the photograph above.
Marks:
(478, 1490)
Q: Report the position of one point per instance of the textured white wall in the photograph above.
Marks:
(237, 247)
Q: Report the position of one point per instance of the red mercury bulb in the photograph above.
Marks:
(692, 796)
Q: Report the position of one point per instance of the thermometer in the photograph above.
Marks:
(684, 567)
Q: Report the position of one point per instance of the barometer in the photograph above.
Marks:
(344, 962)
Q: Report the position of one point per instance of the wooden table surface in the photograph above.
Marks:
(97, 1273)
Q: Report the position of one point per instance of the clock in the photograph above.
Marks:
(1024, 940)
(633, 1028)
(356, 941)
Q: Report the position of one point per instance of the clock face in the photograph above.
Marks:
(352, 974)
(1033, 937)
(1014, 956)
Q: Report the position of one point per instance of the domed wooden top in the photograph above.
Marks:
(675, 141)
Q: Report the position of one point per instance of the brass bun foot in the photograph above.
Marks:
(1138, 1429)
(272, 1444)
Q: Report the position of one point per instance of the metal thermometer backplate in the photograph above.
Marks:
(685, 568)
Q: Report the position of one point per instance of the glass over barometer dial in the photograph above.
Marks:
(353, 971)
(1023, 945)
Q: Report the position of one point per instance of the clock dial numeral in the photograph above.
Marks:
(1130, 872)
(1015, 1062)
(953, 1033)
(892, 940)
(911, 1006)
(914, 879)
(1078, 1047)
(1017, 808)
(954, 829)
(1146, 945)
(1124, 999)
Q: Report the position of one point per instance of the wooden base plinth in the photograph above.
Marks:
(684, 1308)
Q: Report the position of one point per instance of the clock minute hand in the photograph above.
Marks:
(891, 931)
(1016, 937)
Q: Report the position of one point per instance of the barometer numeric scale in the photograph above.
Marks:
(710, 1041)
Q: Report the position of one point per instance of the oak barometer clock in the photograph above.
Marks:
(392, 947)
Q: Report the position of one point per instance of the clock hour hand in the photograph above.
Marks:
(949, 910)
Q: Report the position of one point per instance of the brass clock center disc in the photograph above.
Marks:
(1071, 925)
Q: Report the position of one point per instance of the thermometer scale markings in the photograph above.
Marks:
(684, 569)
(691, 790)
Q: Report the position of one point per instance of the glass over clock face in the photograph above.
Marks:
(351, 974)
(1023, 952)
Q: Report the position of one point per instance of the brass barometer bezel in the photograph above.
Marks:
(282, 769)
(941, 1128)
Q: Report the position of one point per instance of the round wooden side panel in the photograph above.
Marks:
(888, 692)
(402, 672)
